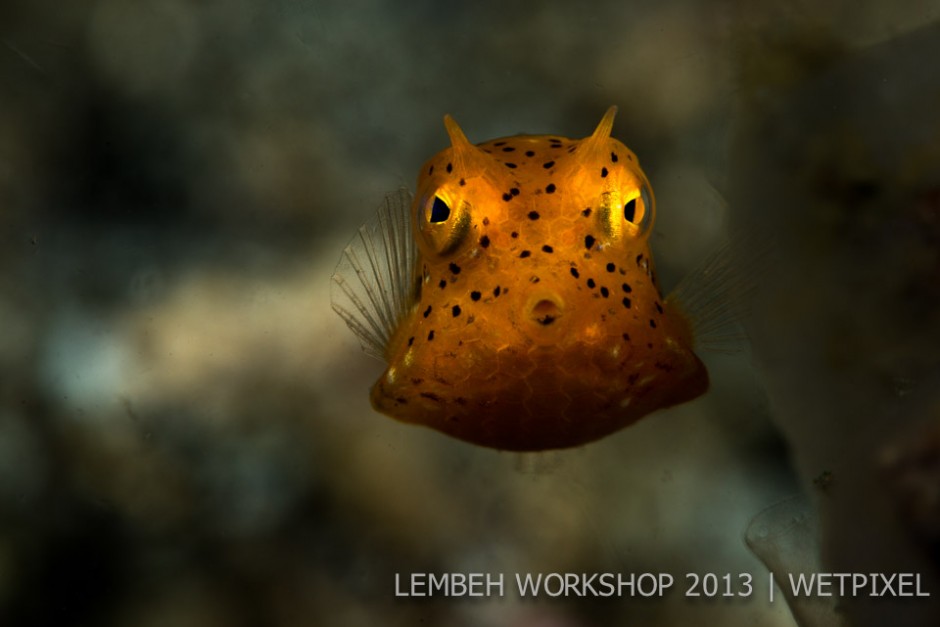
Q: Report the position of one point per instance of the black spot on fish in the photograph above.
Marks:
(626, 302)
(454, 268)
(514, 191)
(591, 284)
(524, 254)
(455, 310)
(510, 165)
(463, 182)
(496, 291)
(432, 396)
(450, 168)
(589, 242)
(514, 234)
(548, 249)
(604, 292)
(427, 312)
(498, 144)
(548, 164)
(509, 149)
(485, 241)
(613, 157)
(442, 283)
(611, 267)
(603, 173)
(507, 197)
(533, 215)
(431, 336)
(652, 323)
(587, 212)
(411, 340)
(575, 273)
(530, 153)
(659, 307)
(550, 189)
(626, 337)
(626, 288)
(475, 295)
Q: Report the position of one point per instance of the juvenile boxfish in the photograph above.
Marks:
(515, 299)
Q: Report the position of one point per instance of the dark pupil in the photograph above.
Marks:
(439, 210)
(629, 210)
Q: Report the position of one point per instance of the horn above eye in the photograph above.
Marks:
(469, 159)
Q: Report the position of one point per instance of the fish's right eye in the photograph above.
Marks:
(439, 211)
(443, 223)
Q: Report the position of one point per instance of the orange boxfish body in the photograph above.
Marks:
(533, 318)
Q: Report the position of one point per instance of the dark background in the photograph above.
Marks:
(185, 435)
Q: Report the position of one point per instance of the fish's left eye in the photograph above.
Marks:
(629, 210)
(627, 213)
(643, 211)
(638, 211)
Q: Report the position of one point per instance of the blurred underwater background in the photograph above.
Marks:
(185, 431)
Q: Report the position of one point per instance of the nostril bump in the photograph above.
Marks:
(545, 312)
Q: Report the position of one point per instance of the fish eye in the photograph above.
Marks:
(638, 211)
(443, 223)
(628, 213)
(629, 210)
(646, 208)
(439, 211)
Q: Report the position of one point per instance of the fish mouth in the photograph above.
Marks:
(544, 312)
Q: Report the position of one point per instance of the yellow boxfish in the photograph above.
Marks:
(515, 299)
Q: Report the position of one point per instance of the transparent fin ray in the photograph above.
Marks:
(373, 283)
(716, 295)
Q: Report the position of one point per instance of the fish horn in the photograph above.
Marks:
(469, 159)
(596, 143)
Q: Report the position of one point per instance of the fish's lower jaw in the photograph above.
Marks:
(532, 401)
